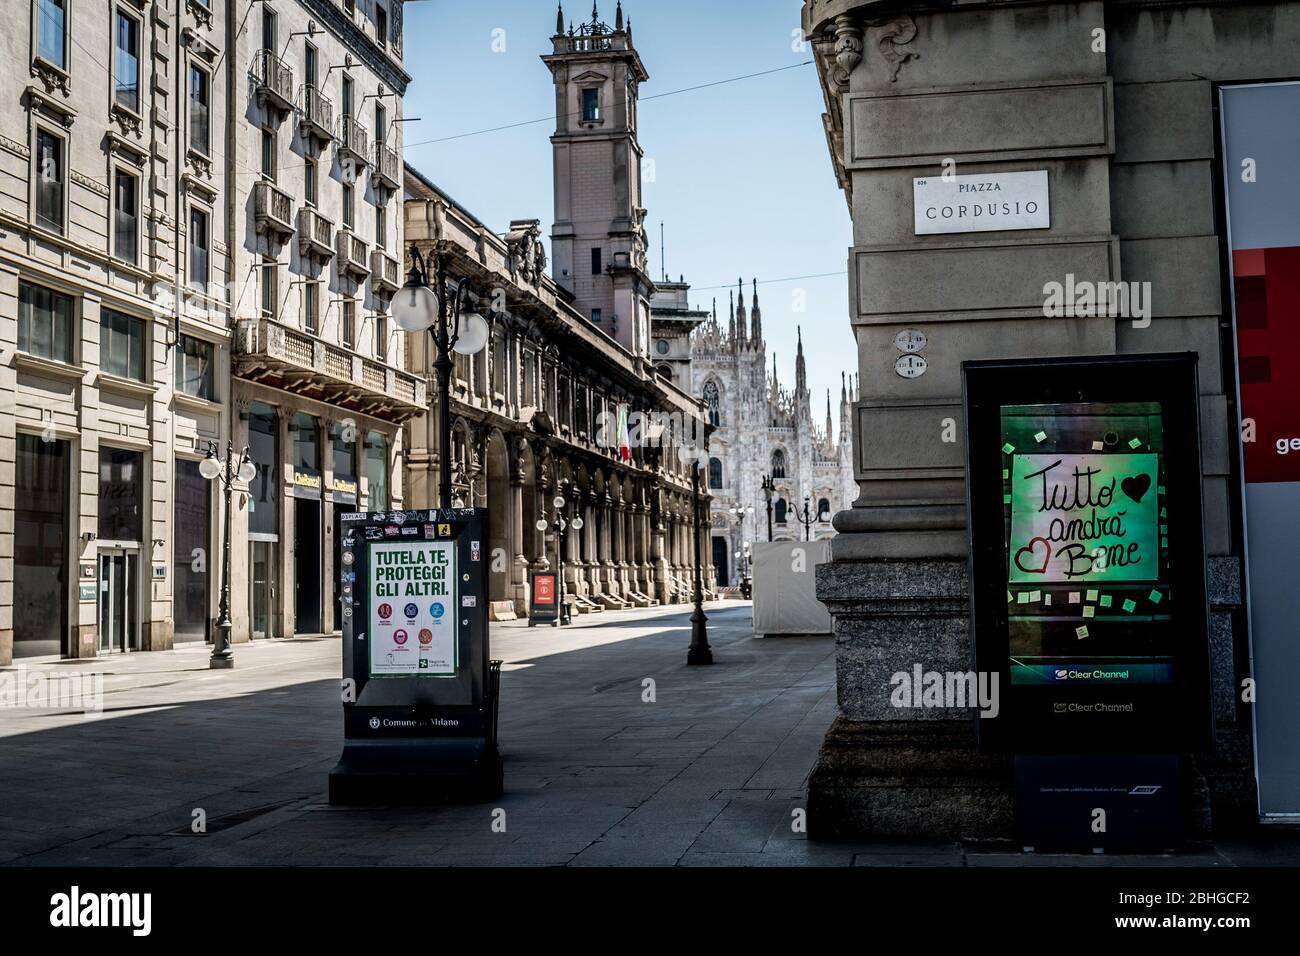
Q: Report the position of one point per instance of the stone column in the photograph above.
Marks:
(518, 562)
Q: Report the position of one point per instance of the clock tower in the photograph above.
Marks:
(598, 241)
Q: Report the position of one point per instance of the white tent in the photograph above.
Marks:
(785, 587)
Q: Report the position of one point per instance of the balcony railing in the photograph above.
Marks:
(386, 166)
(272, 209)
(352, 254)
(274, 79)
(315, 234)
(317, 117)
(386, 272)
(352, 140)
(269, 351)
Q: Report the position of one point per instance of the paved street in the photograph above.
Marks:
(707, 774)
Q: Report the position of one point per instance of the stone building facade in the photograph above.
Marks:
(1119, 103)
(764, 428)
(174, 182)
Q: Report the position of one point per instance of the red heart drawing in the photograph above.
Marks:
(1030, 549)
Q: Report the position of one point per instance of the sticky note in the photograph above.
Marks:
(1008, 448)
(1047, 600)
(1009, 597)
(1135, 443)
(1098, 446)
(1074, 597)
(1164, 542)
(1164, 529)
(1160, 489)
(1088, 610)
(1022, 597)
(1092, 594)
(1129, 605)
(1162, 510)
(1155, 597)
(1006, 473)
(1081, 631)
(1106, 600)
(1035, 597)
(1006, 499)
(1040, 437)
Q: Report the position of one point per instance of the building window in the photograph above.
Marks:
(347, 205)
(381, 336)
(125, 215)
(349, 7)
(194, 367)
(50, 179)
(122, 344)
(823, 509)
(591, 106)
(270, 275)
(126, 62)
(715, 473)
(44, 322)
(780, 510)
(344, 448)
(268, 153)
(51, 31)
(309, 181)
(198, 247)
(311, 306)
(713, 400)
(199, 110)
(308, 64)
(348, 322)
(381, 226)
(306, 444)
(268, 29)
(595, 261)
(263, 449)
(778, 464)
(192, 511)
(121, 494)
(595, 316)
(377, 470)
(381, 27)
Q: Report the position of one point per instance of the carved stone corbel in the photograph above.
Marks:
(889, 35)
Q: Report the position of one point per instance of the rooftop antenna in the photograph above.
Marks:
(663, 264)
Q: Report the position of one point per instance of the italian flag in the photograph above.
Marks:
(624, 444)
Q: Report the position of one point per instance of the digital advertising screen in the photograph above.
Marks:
(1087, 555)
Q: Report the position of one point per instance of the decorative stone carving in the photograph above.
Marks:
(888, 36)
(527, 256)
(51, 77)
(846, 46)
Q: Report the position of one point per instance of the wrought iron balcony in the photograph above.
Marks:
(387, 171)
(269, 351)
(386, 270)
(272, 209)
(315, 234)
(274, 79)
(352, 141)
(316, 116)
(352, 254)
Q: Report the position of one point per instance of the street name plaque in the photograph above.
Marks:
(419, 690)
(986, 202)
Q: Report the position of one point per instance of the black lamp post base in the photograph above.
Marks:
(699, 652)
(221, 663)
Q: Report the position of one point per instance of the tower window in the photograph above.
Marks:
(595, 261)
(591, 106)
(595, 316)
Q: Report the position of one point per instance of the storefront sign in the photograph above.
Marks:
(344, 490)
(1087, 558)
(544, 602)
(87, 592)
(986, 202)
(306, 484)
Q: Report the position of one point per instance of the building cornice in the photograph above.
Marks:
(371, 55)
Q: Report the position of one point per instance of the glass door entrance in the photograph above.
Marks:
(262, 582)
(118, 610)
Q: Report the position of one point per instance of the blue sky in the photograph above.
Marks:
(742, 182)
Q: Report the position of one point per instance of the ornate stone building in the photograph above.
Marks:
(535, 413)
(764, 428)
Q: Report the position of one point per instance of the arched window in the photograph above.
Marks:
(823, 509)
(778, 464)
(780, 511)
(715, 473)
(712, 400)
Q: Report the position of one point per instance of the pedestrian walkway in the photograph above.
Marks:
(616, 753)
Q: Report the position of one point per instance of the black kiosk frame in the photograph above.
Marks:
(420, 691)
(1087, 583)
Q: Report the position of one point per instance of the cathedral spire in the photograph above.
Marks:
(741, 322)
(828, 417)
(731, 322)
(559, 19)
(756, 319)
(844, 389)
(618, 16)
(800, 372)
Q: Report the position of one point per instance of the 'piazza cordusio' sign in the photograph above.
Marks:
(987, 202)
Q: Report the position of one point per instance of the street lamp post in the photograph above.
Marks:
(560, 523)
(440, 310)
(806, 519)
(699, 651)
(213, 468)
(769, 486)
